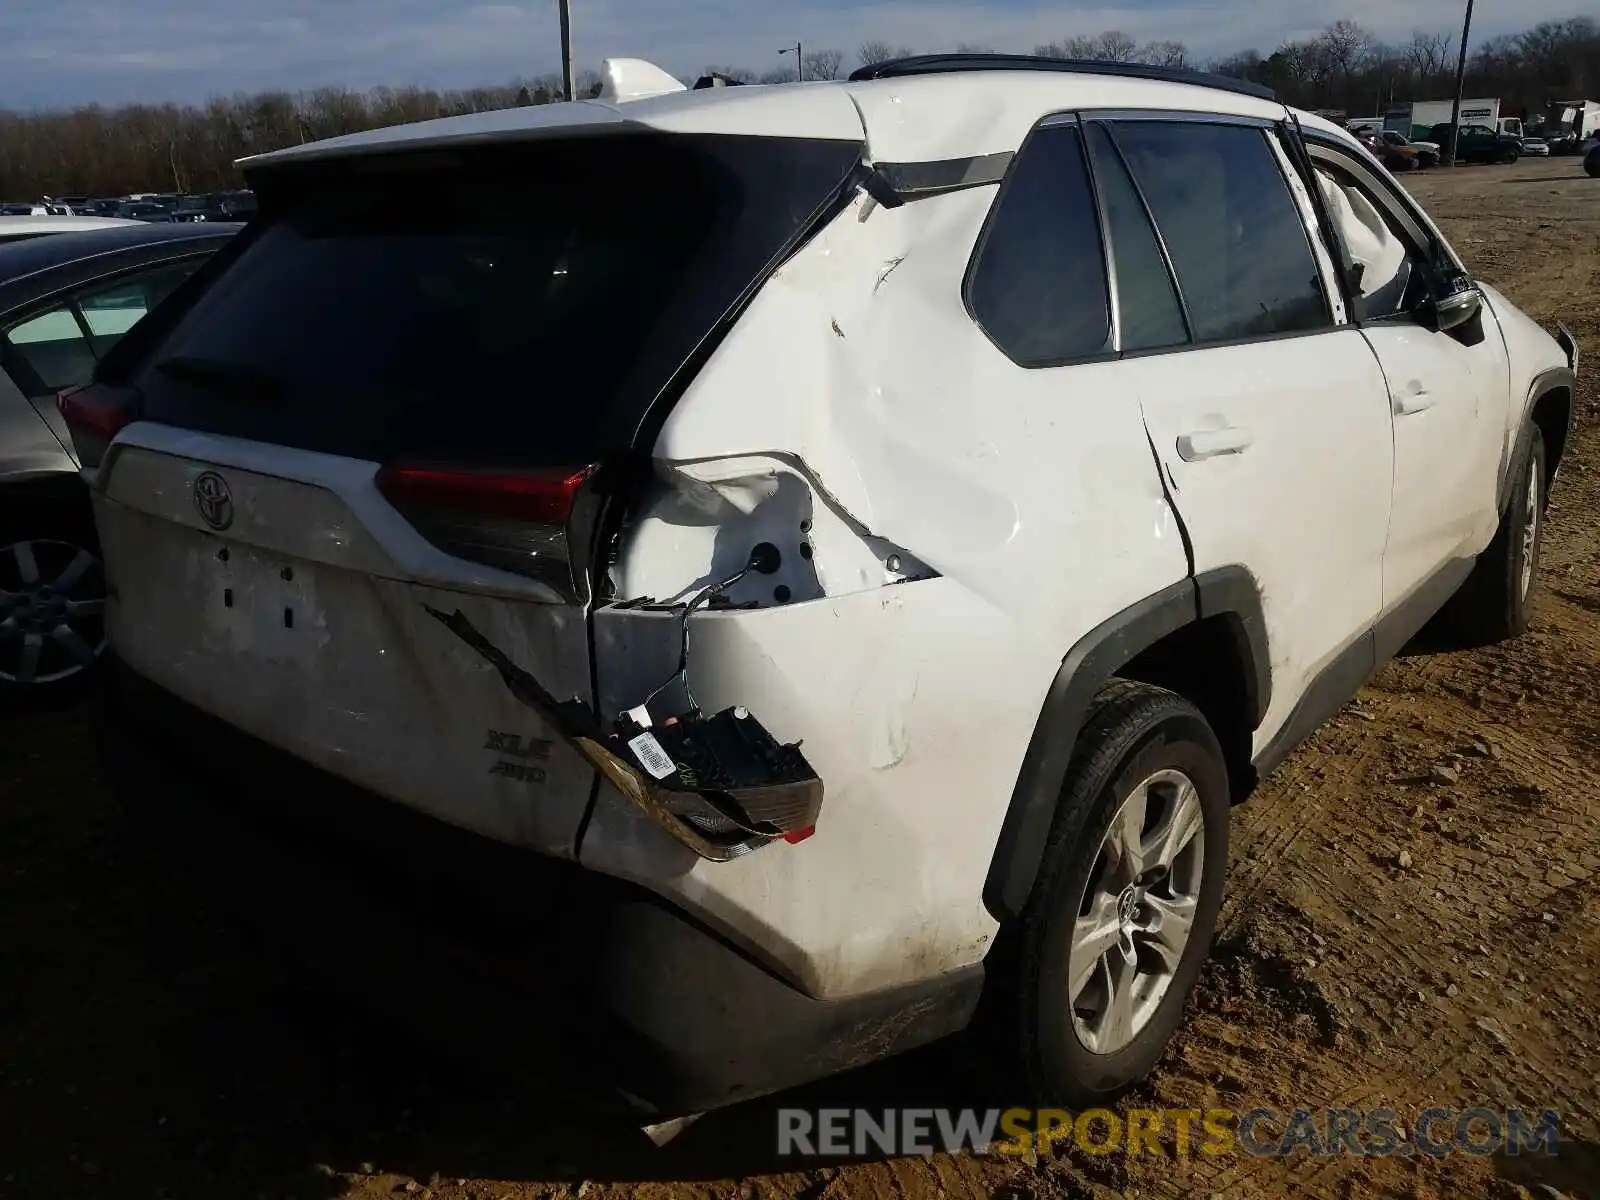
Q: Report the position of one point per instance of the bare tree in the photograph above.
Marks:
(1427, 55)
(1115, 46)
(1111, 46)
(877, 52)
(823, 64)
(1344, 46)
(1246, 64)
(1164, 54)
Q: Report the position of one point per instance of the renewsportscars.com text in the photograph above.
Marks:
(1259, 1132)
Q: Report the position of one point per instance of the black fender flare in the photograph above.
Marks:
(1545, 382)
(1225, 592)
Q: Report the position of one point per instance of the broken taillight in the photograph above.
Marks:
(519, 520)
(95, 414)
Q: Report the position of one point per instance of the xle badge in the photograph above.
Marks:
(517, 747)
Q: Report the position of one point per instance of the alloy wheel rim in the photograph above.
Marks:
(1137, 912)
(1530, 532)
(52, 611)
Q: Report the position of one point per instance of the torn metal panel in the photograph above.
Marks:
(750, 789)
(705, 518)
(919, 180)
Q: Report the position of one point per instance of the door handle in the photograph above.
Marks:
(1210, 443)
(1414, 399)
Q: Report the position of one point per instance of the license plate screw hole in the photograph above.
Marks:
(227, 597)
(288, 618)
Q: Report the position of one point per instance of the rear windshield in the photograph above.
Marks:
(510, 305)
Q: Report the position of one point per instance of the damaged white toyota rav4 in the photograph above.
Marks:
(814, 554)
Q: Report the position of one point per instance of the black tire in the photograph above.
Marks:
(1496, 601)
(56, 529)
(1133, 731)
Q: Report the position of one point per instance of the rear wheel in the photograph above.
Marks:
(52, 604)
(1120, 921)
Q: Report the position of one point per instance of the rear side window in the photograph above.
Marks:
(526, 310)
(59, 348)
(1241, 254)
(1038, 287)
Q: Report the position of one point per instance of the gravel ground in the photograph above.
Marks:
(1413, 920)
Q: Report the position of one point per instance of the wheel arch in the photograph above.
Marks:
(1550, 408)
(1204, 637)
(65, 488)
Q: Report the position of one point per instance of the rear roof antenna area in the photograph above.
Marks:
(625, 79)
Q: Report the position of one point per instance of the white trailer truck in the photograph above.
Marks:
(1415, 118)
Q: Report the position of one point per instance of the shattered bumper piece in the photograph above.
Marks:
(721, 785)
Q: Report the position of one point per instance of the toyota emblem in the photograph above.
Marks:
(213, 500)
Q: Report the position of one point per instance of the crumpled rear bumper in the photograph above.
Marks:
(538, 966)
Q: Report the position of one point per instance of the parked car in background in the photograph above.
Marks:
(1480, 144)
(1591, 159)
(218, 206)
(1397, 155)
(23, 210)
(1534, 147)
(1428, 154)
(64, 301)
(17, 229)
(144, 210)
(786, 731)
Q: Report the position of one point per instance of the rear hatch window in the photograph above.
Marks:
(513, 305)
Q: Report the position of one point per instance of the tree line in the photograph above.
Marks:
(110, 151)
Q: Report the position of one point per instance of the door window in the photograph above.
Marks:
(1397, 259)
(1238, 245)
(1149, 314)
(1390, 273)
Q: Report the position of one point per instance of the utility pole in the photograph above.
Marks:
(566, 49)
(799, 52)
(1461, 87)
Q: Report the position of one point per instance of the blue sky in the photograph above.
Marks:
(65, 52)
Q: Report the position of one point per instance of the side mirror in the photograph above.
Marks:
(1444, 313)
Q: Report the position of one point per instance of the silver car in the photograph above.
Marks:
(65, 300)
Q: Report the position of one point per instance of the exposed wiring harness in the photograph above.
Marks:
(701, 599)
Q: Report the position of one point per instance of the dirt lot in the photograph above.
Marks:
(1413, 920)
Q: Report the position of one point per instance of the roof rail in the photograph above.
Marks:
(939, 64)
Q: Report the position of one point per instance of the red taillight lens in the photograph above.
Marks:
(95, 414)
(524, 521)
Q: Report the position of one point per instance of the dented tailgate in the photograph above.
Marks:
(302, 621)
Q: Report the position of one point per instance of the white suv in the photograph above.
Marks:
(855, 539)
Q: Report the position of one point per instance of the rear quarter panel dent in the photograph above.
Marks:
(1032, 493)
